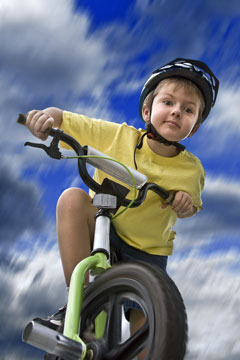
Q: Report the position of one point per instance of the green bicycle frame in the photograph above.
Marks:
(97, 263)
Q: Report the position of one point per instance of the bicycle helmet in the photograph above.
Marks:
(194, 70)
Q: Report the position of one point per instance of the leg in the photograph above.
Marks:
(137, 320)
(75, 228)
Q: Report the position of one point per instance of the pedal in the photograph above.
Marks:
(52, 342)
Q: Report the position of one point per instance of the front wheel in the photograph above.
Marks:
(163, 336)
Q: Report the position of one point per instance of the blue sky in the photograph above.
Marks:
(93, 57)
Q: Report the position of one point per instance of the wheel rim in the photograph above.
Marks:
(110, 300)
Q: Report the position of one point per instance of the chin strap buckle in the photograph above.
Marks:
(153, 135)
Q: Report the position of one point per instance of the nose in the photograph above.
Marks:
(176, 111)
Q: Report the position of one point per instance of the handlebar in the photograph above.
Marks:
(53, 151)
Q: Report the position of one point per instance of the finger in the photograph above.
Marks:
(48, 124)
(182, 205)
(45, 129)
(40, 123)
(188, 206)
(33, 119)
(185, 209)
(177, 200)
(29, 117)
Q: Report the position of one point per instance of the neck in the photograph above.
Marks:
(161, 149)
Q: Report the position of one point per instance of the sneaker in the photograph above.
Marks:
(58, 317)
(55, 321)
(51, 357)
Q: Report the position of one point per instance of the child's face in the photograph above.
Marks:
(174, 112)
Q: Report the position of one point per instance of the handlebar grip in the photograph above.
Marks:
(170, 198)
(21, 119)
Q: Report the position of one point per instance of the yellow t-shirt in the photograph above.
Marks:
(147, 227)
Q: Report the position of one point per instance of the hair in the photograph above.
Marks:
(186, 84)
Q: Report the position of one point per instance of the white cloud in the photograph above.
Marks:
(222, 184)
(50, 56)
(11, 14)
(217, 142)
(53, 49)
(226, 112)
(33, 286)
(218, 220)
(210, 287)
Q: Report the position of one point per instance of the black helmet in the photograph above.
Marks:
(194, 70)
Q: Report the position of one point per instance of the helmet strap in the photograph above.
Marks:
(154, 135)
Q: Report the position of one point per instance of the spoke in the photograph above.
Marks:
(114, 323)
(131, 347)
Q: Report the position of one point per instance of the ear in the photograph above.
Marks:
(194, 130)
(145, 113)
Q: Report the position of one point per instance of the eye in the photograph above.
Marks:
(167, 102)
(189, 110)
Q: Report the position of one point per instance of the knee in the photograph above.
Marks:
(72, 199)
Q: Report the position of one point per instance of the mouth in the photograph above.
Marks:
(172, 123)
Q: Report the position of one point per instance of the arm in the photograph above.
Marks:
(183, 205)
(39, 121)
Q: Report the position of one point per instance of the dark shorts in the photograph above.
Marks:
(125, 252)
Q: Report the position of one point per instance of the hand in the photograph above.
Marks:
(39, 122)
(182, 204)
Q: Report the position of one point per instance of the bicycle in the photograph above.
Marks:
(93, 322)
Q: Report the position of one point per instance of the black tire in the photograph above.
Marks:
(164, 333)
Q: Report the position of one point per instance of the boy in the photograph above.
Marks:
(175, 100)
